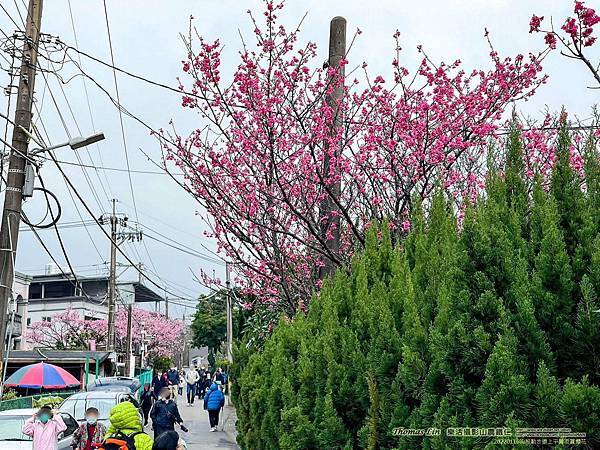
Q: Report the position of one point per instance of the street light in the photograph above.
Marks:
(75, 143)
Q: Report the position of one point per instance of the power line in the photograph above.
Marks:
(10, 17)
(85, 90)
(183, 250)
(65, 275)
(85, 174)
(90, 212)
(112, 58)
(115, 169)
(70, 194)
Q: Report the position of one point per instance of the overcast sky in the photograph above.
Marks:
(145, 36)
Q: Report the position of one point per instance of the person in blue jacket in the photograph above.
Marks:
(214, 400)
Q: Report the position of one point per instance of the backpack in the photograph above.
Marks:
(119, 441)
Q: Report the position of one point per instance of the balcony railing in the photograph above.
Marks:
(17, 326)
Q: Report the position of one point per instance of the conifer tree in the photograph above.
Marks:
(505, 390)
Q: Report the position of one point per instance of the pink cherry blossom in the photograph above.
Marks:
(271, 149)
(535, 23)
(68, 330)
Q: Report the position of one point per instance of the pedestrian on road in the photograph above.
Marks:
(169, 440)
(125, 429)
(44, 427)
(218, 376)
(214, 400)
(173, 381)
(158, 382)
(181, 383)
(191, 378)
(200, 383)
(90, 433)
(165, 414)
(146, 401)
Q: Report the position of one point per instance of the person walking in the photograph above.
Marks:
(214, 400)
(218, 377)
(173, 382)
(200, 383)
(165, 414)
(146, 401)
(44, 427)
(125, 429)
(181, 383)
(191, 378)
(90, 433)
(158, 382)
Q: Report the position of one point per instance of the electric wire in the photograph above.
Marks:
(77, 155)
(71, 195)
(89, 107)
(88, 209)
(112, 58)
(65, 275)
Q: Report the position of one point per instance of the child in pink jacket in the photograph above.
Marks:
(44, 427)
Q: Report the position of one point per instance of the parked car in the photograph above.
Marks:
(12, 420)
(77, 404)
(114, 383)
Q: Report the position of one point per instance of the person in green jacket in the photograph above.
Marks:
(124, 418)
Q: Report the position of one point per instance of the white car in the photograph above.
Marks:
(104, 401)
(12, 420)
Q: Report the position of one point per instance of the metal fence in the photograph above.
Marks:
(144, 377)
(29, 401)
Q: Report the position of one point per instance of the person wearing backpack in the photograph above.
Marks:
(214, 400)
(165, 414)
(125, 431)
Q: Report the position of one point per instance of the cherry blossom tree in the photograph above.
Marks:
(67, 330)
(271, 148)
(575, 36)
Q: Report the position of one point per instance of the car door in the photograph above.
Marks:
(66, 437)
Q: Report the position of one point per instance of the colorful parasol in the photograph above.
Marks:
(42, 375)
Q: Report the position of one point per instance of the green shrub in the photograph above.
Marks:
(491, 323)
(52, 401)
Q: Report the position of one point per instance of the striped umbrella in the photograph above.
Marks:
(41, 375)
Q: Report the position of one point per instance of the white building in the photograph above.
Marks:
(52, 293)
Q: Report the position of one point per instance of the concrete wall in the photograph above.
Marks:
(48, 307)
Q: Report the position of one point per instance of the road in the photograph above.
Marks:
(199, 437)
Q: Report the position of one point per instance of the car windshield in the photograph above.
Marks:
(10, 428)
(77, 407)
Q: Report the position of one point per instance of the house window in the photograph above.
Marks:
(46, 319)
(28, 321)
(35, 291)
(59, 289)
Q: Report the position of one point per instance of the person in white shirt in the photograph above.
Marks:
(191, 378)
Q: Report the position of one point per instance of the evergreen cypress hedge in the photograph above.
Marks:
(488, 324)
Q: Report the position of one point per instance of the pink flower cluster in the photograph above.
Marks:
(68, 330)
(272, 148)
(579, 29)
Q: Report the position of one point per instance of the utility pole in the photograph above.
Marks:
(328, 219)
(13, 197)
(129, 349)
(112, 280)
(229, 315)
